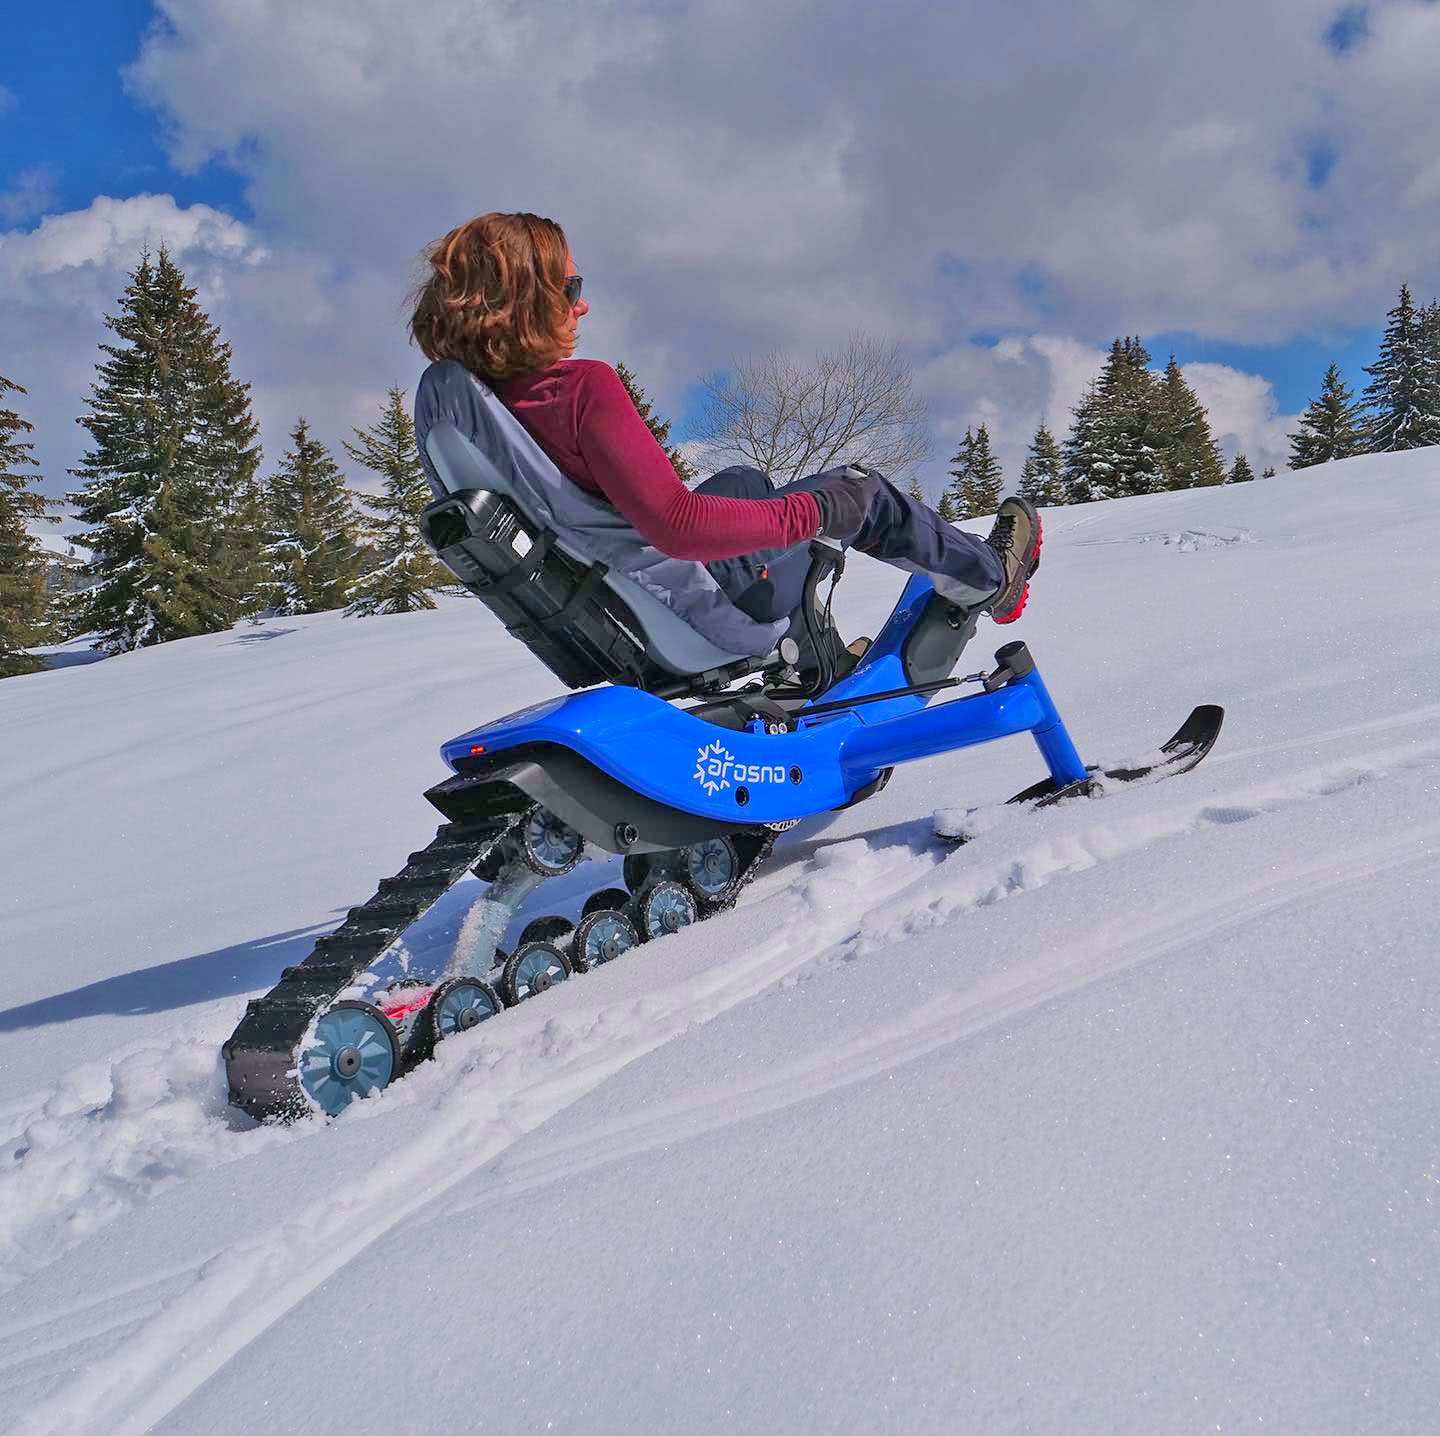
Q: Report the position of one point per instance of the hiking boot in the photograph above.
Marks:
(1016, 538)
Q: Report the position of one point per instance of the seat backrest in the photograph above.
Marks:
(687, 621)
(667, 640)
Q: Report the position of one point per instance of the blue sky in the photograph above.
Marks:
(63, 63)
(972, 190)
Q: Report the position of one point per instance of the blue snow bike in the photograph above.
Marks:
(685, 760)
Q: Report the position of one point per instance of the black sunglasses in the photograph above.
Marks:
(572, 286)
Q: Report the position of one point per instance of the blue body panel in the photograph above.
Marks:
(679, 760)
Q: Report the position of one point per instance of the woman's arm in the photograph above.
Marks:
(636, 476)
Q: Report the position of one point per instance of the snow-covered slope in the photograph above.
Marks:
(1121, 1118)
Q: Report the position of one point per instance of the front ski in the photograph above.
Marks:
(1186, 747)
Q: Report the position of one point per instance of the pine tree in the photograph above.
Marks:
(1430, 342)
(946, 508)
(169, 486)
(657, 426)
(1082, 449)
(915, 491)
(1269, 472)
(962, 461)
(311, 551)
(1040, 478)
(404, 570)
(1116, 444)
(1138, 426)
(1404, 392)
(1240, 471)
(1330, 428)
(1190, 457)
(22, 563)
(976, 480)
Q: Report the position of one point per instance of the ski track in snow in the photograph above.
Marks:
(103, 1143)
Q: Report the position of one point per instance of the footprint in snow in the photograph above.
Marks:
(1183, 540)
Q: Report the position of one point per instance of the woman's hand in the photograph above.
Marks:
(845, 498)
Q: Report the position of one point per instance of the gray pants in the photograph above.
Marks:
(769, 584)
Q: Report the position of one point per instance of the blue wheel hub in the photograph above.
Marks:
(463, 1006)
(606, 938)
(712, 867)
(537, 971)
(551, 847)
(666, 908)
(353, 1054)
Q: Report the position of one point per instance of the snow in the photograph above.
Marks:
(1121, 1117)
(55, 543)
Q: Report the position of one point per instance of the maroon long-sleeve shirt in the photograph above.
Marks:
(579, 413)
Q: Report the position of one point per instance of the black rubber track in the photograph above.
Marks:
(262, 1053)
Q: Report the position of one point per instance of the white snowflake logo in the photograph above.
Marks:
(712, 768)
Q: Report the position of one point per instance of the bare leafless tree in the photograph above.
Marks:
(790, 418)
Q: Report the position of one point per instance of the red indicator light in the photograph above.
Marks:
(476, 748)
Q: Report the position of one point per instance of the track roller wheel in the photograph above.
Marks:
(554, 930)
(549, 846)
(354, 1051)
(606, 899)
(712, 868)
(638, 869)
(665, 907)
(530, 970)
(459, 1004)
(602, 937)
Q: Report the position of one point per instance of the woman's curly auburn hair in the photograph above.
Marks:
(494, 298)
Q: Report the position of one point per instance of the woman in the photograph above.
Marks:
(503, 298)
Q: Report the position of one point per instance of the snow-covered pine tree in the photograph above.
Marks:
(22, 562)
(1040, 477)
(1404, 391)
(311, 552)
(169, 490)
(404, 570)
(1116, 442)
(1190, 457)
(1139, 423)
(657, 426)
(961, 462)
(1086, 472)
(1330, 428)
(1240, 471)
(946, 508)
(915, 491)
(1430, 340)
(976, 481)
(1268, 472)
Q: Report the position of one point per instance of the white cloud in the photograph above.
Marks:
(803, 167)
(1244, 416)
(750, 175)
(32, 194)
(1009, 387)
(110, 234)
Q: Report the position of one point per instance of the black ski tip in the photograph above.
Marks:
(1201, 727)
(1186, 747)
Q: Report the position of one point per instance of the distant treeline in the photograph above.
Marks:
(1138, 432)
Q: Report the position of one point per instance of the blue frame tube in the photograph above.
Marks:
(1023, 705)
